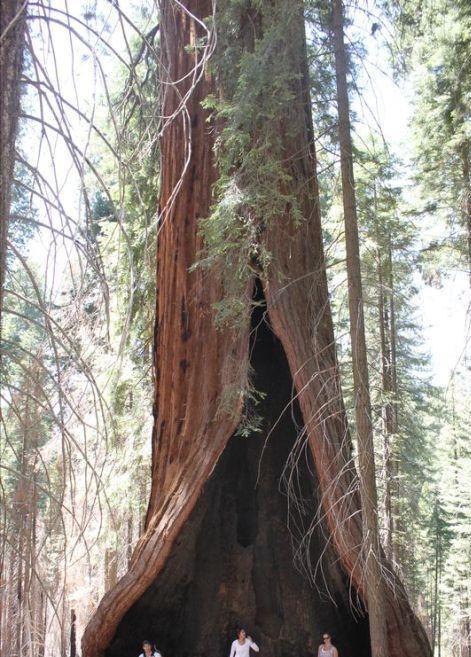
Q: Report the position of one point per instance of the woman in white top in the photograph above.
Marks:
(241, 646)
(326, 649)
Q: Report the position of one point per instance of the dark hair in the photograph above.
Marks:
(146, 642)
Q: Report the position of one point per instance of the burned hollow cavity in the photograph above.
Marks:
(233, 562)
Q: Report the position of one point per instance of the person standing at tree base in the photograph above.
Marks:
(326, 649)
(241, 646)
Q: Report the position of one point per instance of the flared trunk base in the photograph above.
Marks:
(233, 563)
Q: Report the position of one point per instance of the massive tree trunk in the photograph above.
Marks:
(217, 549)
(12, 25)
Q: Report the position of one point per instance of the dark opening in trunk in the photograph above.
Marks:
(233, 562)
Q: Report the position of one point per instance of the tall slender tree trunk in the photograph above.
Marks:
(73, 633)
(42, 624)
(439, 633)
(395, 491)
(386, 409)
(3, 582)
(467, 622)
(12, 25)
(466, 172)
(129, 536)
(436, 581)
(387, 330)
(198, 365)
(364, 425)
(111, 568)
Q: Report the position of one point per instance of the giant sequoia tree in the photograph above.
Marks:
(243, 317)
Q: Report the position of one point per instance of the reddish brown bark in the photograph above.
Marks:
(196, 364)
(301, 317)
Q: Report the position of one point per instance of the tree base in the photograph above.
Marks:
(233, 562)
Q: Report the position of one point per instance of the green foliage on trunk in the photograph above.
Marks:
(253, 120)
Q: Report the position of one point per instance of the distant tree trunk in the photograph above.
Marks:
(111, 568)
(11, 604)
(42, 624)
(387, 330)
(18, 617)
(23, 501)
(364, 425)
(3, 581)
(129, 541)
(439, 633)
(398, 529)
(465, 625)
(197, 366)
(73, 634)
(466, 172)
(142, 500)
(436, 582)
(12, 25)
(387, 428)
